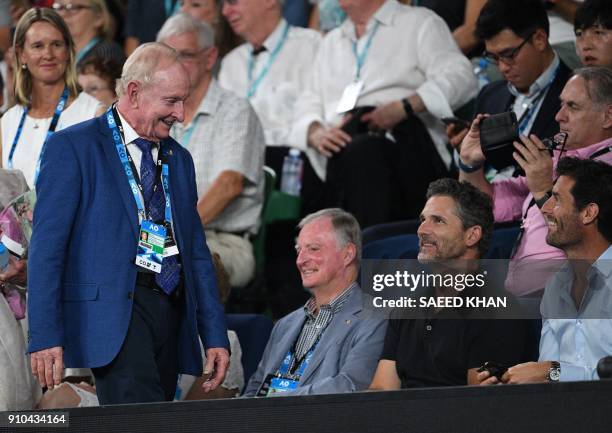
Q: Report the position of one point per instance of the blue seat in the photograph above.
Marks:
(253, 332)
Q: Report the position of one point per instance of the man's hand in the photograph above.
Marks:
(484, 378)
(386, 116)
(16, 272)
(48, 366)
(529, 372)
(471, 153)
(217, 362)
(455, 134)
(534, 158)
(327, 140)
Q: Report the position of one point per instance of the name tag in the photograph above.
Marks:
(274, 384)
(350, 96)
(151, 243)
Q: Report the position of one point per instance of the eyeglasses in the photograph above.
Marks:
(506, 56)
(70, 8)
(191, 55)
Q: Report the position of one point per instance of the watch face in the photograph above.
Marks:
(554, 374)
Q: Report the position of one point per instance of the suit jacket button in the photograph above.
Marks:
(130, 295)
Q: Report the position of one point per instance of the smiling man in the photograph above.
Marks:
(93, 298)
(586, 117)
(226, 141)
(448, 346)
(577, 307)
(330, 345)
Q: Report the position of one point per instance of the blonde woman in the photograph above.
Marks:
(46, 91)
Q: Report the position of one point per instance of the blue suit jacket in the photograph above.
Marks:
(345, 358)
(81, 271)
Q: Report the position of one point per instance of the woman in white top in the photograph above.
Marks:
(46, 91)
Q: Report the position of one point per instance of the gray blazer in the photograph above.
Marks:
(345, 358)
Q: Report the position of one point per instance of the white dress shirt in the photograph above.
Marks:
(129, 135)
(411, 52)
(280, 88)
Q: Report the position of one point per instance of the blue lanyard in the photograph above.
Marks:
(527, 115)
(285, 366)
(253, 85)
(129, 169)
(360, 58)
(186, 137)
(170, 9)
(56, 115)
(86, 49)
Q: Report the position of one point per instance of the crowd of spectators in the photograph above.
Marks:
(384, 104)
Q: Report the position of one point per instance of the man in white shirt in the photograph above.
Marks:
(271, 70)
(403, 61)
(225, 138)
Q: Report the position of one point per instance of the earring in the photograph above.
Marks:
(24, 66)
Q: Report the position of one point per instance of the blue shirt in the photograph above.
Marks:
(578, 337)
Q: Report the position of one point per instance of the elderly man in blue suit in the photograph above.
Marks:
(330, 345)
(107, 215)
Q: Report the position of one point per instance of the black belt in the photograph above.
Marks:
(147, 279)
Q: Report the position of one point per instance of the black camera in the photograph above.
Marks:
(498, 132)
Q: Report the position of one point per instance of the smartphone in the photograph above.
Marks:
(456, 121)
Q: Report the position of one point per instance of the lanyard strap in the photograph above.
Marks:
(289, 362)
(56, 115)
(188, 132)
(253, 85)
(529, 113)
(170, 8)
(130, 169)
(86, 49)
(361, 57)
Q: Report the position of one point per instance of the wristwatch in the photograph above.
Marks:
(554, 372)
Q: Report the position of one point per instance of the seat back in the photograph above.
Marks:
(253, 332)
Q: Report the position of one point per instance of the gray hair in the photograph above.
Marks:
(598, 80)
(182, 23)
(144, 62)
(346, 227)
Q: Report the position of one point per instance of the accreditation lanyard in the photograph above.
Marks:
(529, 113)
(293, 368)
(253, 85)
(170, 8)
(130, 170)
(360, 58)
(56, 115)
(188, 132)
(86, 49)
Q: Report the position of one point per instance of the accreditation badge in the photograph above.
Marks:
(274, 384)
(281, 384)
(349, 97)
(151, 243)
